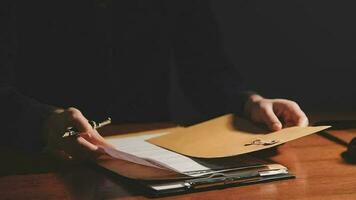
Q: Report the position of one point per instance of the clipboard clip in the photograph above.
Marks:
(213, 180)
(220, 179)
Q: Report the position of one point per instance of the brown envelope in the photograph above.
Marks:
(227, 136)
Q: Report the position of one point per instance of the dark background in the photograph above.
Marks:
(302, 50)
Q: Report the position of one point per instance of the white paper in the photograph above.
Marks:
(136, 149)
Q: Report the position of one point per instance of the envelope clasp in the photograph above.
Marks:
(262, 142)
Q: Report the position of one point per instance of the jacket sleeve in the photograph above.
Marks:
(206, 76)
(21, 118)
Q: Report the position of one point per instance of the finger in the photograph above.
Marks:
(302, 120)
(91, 151)
(86, 144)
(270, 118)
(77, 120)
(293, 114)
(71, 147)
(95, 138)
(77, 149)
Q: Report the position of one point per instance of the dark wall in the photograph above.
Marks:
(302, 50)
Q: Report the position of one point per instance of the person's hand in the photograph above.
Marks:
(85, 146)
(275, 113)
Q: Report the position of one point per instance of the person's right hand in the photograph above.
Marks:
(275, 113)
(78, 148)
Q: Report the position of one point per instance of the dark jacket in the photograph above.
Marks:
(109, 59)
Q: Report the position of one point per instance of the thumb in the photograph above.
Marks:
(270, 119)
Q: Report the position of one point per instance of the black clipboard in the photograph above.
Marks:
(157, 183)
(230, 178)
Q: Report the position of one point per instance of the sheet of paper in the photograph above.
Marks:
(227, 136)
(128, 157)
(136, 149)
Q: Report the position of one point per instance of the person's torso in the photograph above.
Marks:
(104, 59)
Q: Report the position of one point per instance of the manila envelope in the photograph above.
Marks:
(227, 135)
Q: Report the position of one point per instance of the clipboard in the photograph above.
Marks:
(157, 181)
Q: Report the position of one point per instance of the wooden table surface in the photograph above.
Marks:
(321, 173)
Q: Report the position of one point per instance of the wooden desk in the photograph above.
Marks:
(321, 174)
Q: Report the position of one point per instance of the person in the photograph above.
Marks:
(64, 62)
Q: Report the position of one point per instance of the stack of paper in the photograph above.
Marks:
(136, 149)
(220, 137)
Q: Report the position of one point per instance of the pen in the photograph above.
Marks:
(74, 132)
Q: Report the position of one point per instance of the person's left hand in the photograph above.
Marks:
(275, 113)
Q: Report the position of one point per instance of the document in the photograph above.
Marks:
(185, 150)
(136, 149)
